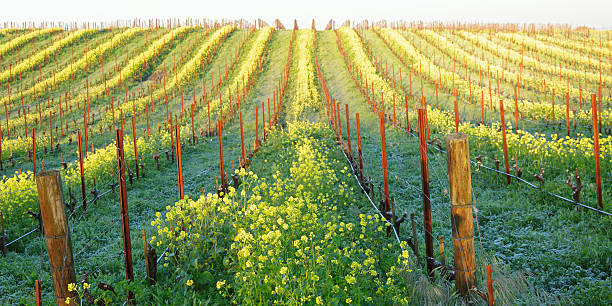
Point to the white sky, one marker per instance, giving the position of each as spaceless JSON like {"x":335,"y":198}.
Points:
{"x":596,"y":13}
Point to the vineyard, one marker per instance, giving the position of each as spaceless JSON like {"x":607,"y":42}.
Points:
{"x":197,"y":161}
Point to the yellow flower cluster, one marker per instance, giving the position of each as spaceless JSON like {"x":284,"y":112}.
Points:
{"x":540,"y":149}
{"x":582,"y":47}
{"x":452,"y":81}
{"x":476,"y":64}
{"x":21,"y":146}
{"x":18,"y":194}
{"x":358,"y":56}
{"x":248,"y":66}
{"x":566,"y":152}
{"x":552,"y":50}
{"x":90,"y":57}
{"x":40,"y":56}
{"x":289,"y":238}
{"x":306,"y":95}
{"x":182,"y":75}
{"x":97,"y":166}
{"x":61,"y":76}
{"x":528,"y":61}
{"x":135,"y":64}
{"x":22,"y":39}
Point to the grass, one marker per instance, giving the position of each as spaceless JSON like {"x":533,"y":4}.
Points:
{"x":96,"y":236}
{"x":517,"y":225}
{"x":542,"y":252}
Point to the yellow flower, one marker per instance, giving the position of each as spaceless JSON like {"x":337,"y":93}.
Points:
{"x":283,"y":270}
{"x":71,"y":287}
{"x":319,"y":300}
{"x":67,"y":299}
{"x":220,"y":284}
{"x":348,"y":300}
{"x":189,"y":283}
{"x":86,"y":286}
{"x":350,"y":280}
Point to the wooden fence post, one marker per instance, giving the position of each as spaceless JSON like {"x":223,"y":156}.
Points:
{"x":82,"y":173}
{"x":596,"y":146}
{"x":460,"y":183}
{"x":491,"y":298}
{"x":222,"y":169}
{"x":442,"y":254}
{"x":125,"y":226}
{"x":503,"y":128}
{"x":193,"y":136}
{"x":85,"y":127}
{"x":359,"y":153}
{"x":179,"y":162}
{"x":243,"y":152}
{"x":256,"y":127}
{"x":34,"y":150}
{"x":38,"y":295}
{"x":263,"y":120}
{"x":348,"y":132}
{"x":383,"y":145}
{"x":407,"y":114}
{"x":150,"y":261}
{"x":56,"y":231}
{"x":425,"y":186}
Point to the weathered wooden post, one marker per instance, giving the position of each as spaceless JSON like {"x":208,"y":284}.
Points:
{"x":263,"y":120}
{"x":125,"y":226}
{"x":179,"y":162}
{"x":38,"y":295}
{"x":596,"y":147}
{"x":34,"y":150}
{"x":150,"y":261}
{"x":490,"y":296}
{"x":359,"y":153}
{"x":193,"y":124}
{"x":81,"y":171}
{"x":505,"y":143}
{"x":256,"y":127}
{"x":243,"y":152}
{"x":460,"y":183}
{"x":425,"y":191}
{"x":57,"y":234}
{"x":383,"y":145}
{"x":415,"y":240}
{"x":441,"y":247}
{"x":348,"y":132}
{"x":222,"y":169}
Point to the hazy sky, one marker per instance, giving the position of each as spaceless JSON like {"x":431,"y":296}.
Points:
{"x":596,"y":13}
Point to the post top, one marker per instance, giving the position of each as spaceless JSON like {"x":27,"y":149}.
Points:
{"x":50,"y":172}
{"x":456,"y":136}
